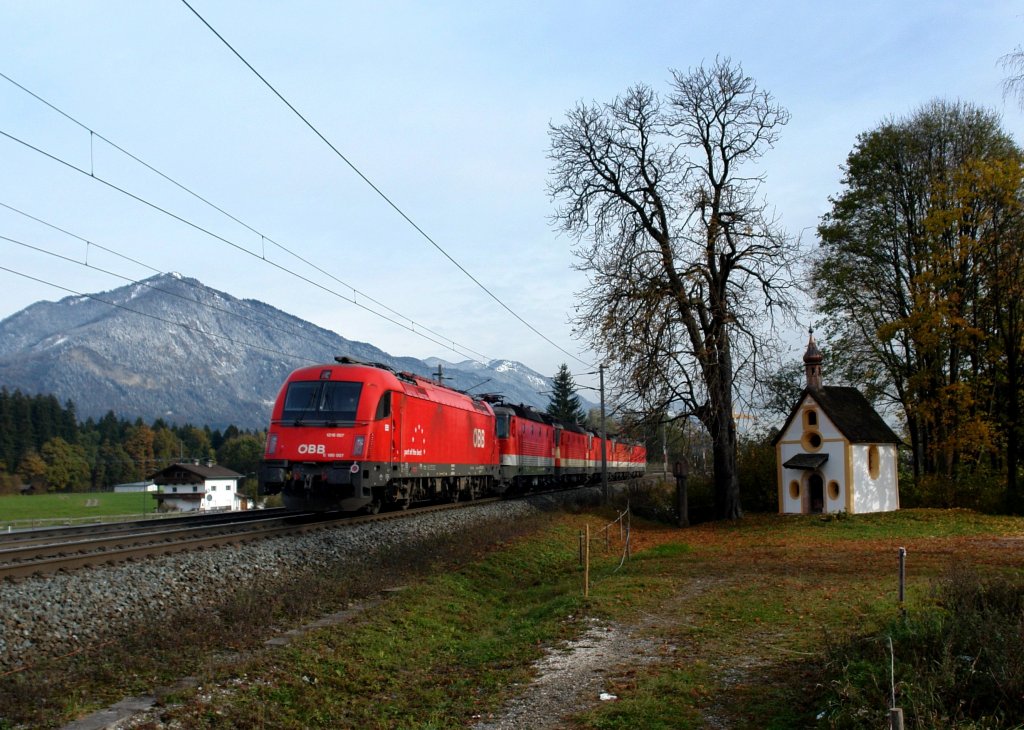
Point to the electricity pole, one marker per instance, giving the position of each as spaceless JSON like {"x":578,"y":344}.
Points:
{"x":604,"y":440}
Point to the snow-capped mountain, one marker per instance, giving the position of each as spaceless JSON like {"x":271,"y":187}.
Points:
{"x":123,"y":350}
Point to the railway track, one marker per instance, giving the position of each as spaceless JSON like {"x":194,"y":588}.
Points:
{"x":24,"y":554}
{"x":53,"y":534}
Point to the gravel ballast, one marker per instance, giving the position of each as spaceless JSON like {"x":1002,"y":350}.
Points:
{"x":60,"y":614}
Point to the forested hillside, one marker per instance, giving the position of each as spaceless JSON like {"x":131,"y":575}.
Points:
{"x":43,"y":445}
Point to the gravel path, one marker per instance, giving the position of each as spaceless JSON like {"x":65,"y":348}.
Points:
{"x":573,"y":677}
{"x":577,"y":675}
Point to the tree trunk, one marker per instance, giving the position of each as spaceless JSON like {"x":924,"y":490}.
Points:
{"x":723,"y":439}
{"x":1012,"y":431}
{"x":727,"y":485}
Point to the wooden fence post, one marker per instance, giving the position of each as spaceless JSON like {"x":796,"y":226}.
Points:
{"x":903,"y":575}
{"x":896,"y":718}
{"x":586,"y":562}
{"x":681,"y":470}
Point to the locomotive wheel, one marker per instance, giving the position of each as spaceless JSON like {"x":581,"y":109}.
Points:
{"x":373,"y":507}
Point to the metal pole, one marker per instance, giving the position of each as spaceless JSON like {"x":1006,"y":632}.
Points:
{"x":586,"y":562}
{"x":664,"y":447}
{"x":604,"y":440}
{"x":903,"y":574}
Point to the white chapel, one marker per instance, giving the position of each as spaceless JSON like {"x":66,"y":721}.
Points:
{"x":835,"y":453}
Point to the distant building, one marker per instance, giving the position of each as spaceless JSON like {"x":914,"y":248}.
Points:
{"x":198,"y":487}
{"x":835,"y":453}
{"x":146,"y":486}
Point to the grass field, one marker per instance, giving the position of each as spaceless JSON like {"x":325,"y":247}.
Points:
{"x":18,"y":510}
{"x":748,"y":615}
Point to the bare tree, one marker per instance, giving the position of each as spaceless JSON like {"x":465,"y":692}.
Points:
{"x":686,"y":265}
{"x":1013,"y":63}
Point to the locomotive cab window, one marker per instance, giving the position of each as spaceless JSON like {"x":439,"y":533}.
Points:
{"x":383,"y":406}
{"x":321,"y":401}
{"x":502,"y":425}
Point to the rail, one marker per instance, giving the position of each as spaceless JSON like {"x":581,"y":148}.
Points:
{"x":71,"y":552}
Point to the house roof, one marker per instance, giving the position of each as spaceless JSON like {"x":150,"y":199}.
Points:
{"x":851,"y":413}
{"x":192,"y":473}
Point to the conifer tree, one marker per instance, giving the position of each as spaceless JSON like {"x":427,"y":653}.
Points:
{"x":564,"y":404}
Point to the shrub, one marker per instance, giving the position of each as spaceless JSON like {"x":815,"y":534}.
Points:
{"x":959,"y":662}
{"x":656,"y":500}
{"x":757,"y":473}
{"x":981,"y":490}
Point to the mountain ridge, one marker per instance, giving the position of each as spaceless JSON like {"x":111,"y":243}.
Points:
{"x":171,"y":347}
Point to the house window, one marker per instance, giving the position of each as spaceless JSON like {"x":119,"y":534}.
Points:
{"x":794,"y":489}
{"x":213,"y":487}
{"x":174,"y":489}
{"x":810,"y":417}
{"x":833,"y":490}
{"x":195,"y":488}
{"x":873,"y":465}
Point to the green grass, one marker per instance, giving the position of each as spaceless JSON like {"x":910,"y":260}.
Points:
{"x":437,"y":653}
{"x":745,"y":615}
{"x":18,"y":509}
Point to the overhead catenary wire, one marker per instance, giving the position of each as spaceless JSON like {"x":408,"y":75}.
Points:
{"x":89,"y":243}
{"x":394,"y":206}
{"x":173,"y":322}
{"x":138,"y":282}
{"x":446,"y":344}
{"x":264,"y":239}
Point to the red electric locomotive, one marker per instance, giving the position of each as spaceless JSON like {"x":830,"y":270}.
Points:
{"x":573,"y":446}
{"x":353,"y":436}
{"x":526,"y":442}
{"x":625,"y":459}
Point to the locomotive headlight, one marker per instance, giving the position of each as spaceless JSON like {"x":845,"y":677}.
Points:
{"x":271,"y":443}
{"x":357,"y":447}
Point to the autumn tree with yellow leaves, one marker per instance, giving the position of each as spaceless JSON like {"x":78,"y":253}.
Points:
{"x":919,"y":283}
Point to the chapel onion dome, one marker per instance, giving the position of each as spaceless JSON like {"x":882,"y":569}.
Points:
{"x":813,"y":354}
{"x":812,"y":363}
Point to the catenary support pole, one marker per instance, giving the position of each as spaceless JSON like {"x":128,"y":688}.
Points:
{"x":604,"y":440}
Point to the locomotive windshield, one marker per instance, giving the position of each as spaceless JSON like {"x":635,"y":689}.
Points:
{"x":322,"y":401}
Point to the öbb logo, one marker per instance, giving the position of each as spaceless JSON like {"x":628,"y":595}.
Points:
{"x":312,"y":449}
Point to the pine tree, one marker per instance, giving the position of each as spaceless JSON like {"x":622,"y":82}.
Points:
{"x":564,"y":404}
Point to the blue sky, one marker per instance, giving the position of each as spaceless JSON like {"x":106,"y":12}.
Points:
{"x":445,"y":106}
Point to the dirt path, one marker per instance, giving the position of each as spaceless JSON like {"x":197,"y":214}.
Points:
{"x":576,"y":676}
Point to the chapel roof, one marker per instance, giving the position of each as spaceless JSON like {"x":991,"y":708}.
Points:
{"x":851,"y":413}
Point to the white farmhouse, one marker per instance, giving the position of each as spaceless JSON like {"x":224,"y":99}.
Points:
{"x":835,"y":453}
{"x":198,"y":487}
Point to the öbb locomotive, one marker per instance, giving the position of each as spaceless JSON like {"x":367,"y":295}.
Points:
{"x":355,"y":436}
